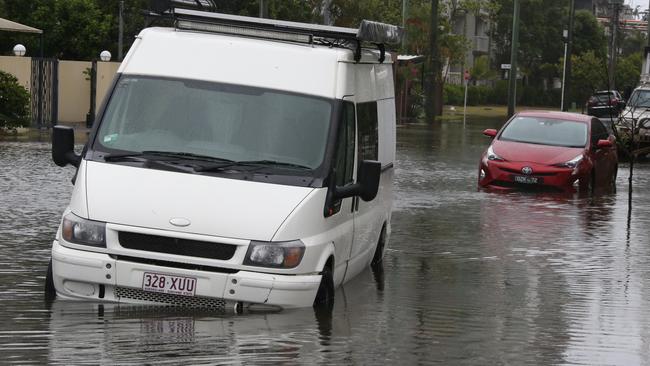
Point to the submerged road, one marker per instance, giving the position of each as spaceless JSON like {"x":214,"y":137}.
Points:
{"x":470,"y":278}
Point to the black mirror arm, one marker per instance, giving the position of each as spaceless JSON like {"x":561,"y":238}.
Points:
{"x":347,"y":191}
{"x":73,"y":158}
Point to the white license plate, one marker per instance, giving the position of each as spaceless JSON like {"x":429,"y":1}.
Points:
{"x":525,"y":179}
{"x":168,"y":284}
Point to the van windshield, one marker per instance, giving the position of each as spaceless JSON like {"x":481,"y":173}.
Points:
{"x":215,"y":120}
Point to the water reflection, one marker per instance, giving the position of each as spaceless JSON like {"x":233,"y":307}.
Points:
{"x":469,"y":278}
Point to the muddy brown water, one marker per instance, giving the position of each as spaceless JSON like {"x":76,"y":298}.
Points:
{"x":469,"y":278}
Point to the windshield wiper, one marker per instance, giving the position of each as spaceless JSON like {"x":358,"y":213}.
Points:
{"x":274,"y":162}
{"x":170,"y":154}
{"x":257,"y":164}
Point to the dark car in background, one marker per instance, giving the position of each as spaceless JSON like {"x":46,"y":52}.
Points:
{"x":605,"y":103}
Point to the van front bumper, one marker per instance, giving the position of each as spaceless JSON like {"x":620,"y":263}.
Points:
{"x":95,"y":276}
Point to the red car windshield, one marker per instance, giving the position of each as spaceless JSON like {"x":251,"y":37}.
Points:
{"x":544,"y":131}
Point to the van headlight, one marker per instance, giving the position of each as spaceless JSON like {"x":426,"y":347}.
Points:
{"x":286,"y":254}
{"x":81,"y":231}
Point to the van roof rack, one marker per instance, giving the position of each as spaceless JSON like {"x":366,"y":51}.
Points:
{"x":369,"y":32}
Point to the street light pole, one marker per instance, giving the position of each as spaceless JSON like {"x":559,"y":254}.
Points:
{"x":512,"y":97}
{"x":404,"y":15}
{"x":121,"y":35}
{"x":565,"y":34}
{"x":567,"y":83}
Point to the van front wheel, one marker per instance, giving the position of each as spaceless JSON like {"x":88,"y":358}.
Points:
{"x":325,"y":295}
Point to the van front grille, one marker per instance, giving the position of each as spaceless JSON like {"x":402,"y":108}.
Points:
{"x":127,"y":293}
{"x":170,"y":245}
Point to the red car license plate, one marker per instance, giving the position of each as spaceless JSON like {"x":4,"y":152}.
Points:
{"x":526,"y":180}
{"x":168,"y":284}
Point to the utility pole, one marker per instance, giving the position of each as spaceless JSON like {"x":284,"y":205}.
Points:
{"x":613,"y":49}
{"x":121,"y":32}
{"x":433,"y":74}
{"x":567,"y":86}
{"x":404,"y":16}
{"x":512,"y":87}
{"x":647,"y":19}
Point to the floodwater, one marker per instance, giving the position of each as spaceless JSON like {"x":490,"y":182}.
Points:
{"x":470,"y":278}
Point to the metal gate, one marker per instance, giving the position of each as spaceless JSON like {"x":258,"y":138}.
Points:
{"x":45,"y":92}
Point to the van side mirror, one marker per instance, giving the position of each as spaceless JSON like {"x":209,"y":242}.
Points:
{"x":368,"y":176}
{"x":63,"y":146}
{"x":367,"y":184}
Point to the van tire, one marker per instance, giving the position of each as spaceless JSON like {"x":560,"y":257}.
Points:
{"x":378,"y":258}
{"x":325,"y":295}
{"x":49,"y":290}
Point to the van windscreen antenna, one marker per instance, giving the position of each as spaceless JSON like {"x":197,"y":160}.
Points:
{"x":369,"y":33}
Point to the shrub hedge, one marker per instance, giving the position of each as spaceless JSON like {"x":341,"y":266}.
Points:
{"x":14,"y":102}
{"x":498,"y":95}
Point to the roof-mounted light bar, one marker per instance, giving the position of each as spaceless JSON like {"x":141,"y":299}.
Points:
{"x":243,"y":31}
{"x":375,"y":33}
{"x":268,"y":24}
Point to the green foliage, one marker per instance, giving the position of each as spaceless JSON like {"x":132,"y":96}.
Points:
{"x":540,"y":35}
{"x":14,"y":102}
{"x":588,"y":35}
{"x":349,"y":13}
{"x":453,"y":94}
{"x":481,"y":69}
{"x":628,"y":70}
{"x":540,"y":32}
{"x":589,"y":75}
{"x":498,"y":95}
{"x":635,"y":41}
{"x":72,"y":29}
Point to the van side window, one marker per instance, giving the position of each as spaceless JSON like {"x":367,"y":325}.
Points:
{"x":368,"y":131}
{"x":345,"y":148}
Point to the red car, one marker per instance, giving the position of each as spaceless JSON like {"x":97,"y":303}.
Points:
{"x":553,"y":150}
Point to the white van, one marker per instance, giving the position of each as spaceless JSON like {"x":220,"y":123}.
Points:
{"x":236,"y":161}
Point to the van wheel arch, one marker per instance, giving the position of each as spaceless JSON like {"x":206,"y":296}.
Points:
{"x":378,"y":257}
{"x":325,"y":295}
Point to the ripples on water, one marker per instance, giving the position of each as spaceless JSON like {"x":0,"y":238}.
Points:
{"x":470,"y":278}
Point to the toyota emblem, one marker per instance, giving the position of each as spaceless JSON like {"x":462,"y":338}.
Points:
{"x":527,"y":170}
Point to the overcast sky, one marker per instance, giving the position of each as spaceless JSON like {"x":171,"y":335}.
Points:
{"x":634,"y":3}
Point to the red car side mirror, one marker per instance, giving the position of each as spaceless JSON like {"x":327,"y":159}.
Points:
{"x":604,"y":143}
{"x":490,"y":132}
